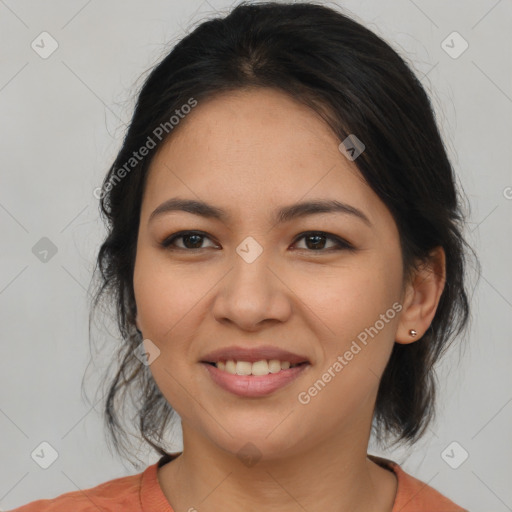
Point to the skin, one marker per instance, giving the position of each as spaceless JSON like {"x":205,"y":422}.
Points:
{"x":251,"y":152}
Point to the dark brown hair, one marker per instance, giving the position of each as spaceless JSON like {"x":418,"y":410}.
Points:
{"x":360,"y":86}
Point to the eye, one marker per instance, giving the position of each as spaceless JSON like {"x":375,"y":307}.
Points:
{"x":315,"y":241}
{"x":191,"y":239}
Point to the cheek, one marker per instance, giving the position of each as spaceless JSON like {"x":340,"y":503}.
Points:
{"x":165,"y":314}
{"x":172,"y":304}
{"x":346,"y":300}
{"x":164,"y":293}
{"x":160,"y":297}
{"x":356,"y":315}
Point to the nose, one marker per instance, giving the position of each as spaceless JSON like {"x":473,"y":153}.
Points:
{"x":252,"y":294}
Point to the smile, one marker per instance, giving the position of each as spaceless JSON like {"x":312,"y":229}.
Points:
{"x":263,"y":367}
{"x":256,"y":379}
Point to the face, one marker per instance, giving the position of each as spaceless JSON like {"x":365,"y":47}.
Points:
{"x":325,"y":286}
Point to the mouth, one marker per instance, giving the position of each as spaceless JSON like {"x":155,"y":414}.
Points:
{"x":253,"y":371}
{"x":267,"y":358}
{"x":256,"y":368}
{"x":256,"y":379}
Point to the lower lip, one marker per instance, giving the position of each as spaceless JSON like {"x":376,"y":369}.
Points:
{"x":254,"y":385}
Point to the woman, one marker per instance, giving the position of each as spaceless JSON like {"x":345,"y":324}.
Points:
{"x":284,"y":250}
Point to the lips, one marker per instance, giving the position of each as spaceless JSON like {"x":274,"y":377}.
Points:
{"x":250,"y":386}
{"x":253,"y":354}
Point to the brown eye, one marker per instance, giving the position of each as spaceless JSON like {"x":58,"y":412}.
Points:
{"x":192,"y":240}
{"x":316,"y":241}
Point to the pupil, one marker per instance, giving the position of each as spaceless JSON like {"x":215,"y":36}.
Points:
{"x":198,"y":240}
{"x":316,"y":237}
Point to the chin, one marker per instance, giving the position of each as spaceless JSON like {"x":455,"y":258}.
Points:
{"x":251,"y":444}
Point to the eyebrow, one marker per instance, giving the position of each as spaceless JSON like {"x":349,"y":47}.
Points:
{"x":284,"y":214}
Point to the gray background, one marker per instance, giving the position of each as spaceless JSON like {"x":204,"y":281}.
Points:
{"x":62,"y":121}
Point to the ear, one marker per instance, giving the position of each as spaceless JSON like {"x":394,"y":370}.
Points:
{"x":422,"y":295}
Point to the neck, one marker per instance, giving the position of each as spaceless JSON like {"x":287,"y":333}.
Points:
{"x":324,"y":477}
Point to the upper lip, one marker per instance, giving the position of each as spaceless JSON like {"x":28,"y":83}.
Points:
{"x":253,"y":354}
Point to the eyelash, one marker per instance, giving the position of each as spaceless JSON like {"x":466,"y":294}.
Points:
{"x":340,"y":243}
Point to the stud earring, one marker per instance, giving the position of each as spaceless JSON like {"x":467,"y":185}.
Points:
{"x":413,"y":333}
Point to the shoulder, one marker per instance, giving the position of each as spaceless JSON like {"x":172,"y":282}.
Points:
{"x":112,"y":496}
{"x":413,"y":495}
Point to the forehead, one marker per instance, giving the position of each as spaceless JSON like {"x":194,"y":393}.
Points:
{"x":252,"y":149}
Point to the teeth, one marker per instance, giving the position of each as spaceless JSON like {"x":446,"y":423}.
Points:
{"x":243,"y":368}
{"x":262,"y":367}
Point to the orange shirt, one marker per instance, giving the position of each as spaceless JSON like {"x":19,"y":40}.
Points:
{"x":142,"y":493}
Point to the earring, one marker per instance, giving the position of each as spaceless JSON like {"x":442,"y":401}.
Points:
{"x":413,"y":333}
